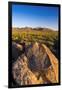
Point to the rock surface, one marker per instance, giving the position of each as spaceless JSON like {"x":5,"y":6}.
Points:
{"x":33,"y":67}
{"x":22,"y":74}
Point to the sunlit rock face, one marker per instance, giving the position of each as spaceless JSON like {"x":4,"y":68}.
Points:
{"x":22,"y":74}
{"x":33,"y":67}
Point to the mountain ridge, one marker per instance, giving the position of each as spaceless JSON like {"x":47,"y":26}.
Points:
{"x":36,"y":28}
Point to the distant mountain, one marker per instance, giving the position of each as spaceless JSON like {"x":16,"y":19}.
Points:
{"x":37,"y":29}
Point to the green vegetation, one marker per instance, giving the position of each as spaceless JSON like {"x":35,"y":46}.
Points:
{"x":29,"y":35}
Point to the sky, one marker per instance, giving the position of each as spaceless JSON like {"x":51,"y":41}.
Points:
{"x":35,"y":16}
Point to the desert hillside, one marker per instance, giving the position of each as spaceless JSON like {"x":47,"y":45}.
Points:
{"x":41,"y":35}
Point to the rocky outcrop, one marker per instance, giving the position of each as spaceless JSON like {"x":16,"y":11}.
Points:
{"x":22,"y":74}
{"x":53,"y":60}
{"x":33,"y":67}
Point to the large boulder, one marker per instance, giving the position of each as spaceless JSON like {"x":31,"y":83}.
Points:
{"x":22,"y":74}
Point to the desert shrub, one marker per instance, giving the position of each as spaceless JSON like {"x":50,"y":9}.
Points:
{"x":50,"y":38}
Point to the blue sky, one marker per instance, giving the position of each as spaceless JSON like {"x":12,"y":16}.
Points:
{"x":34,"y":16}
